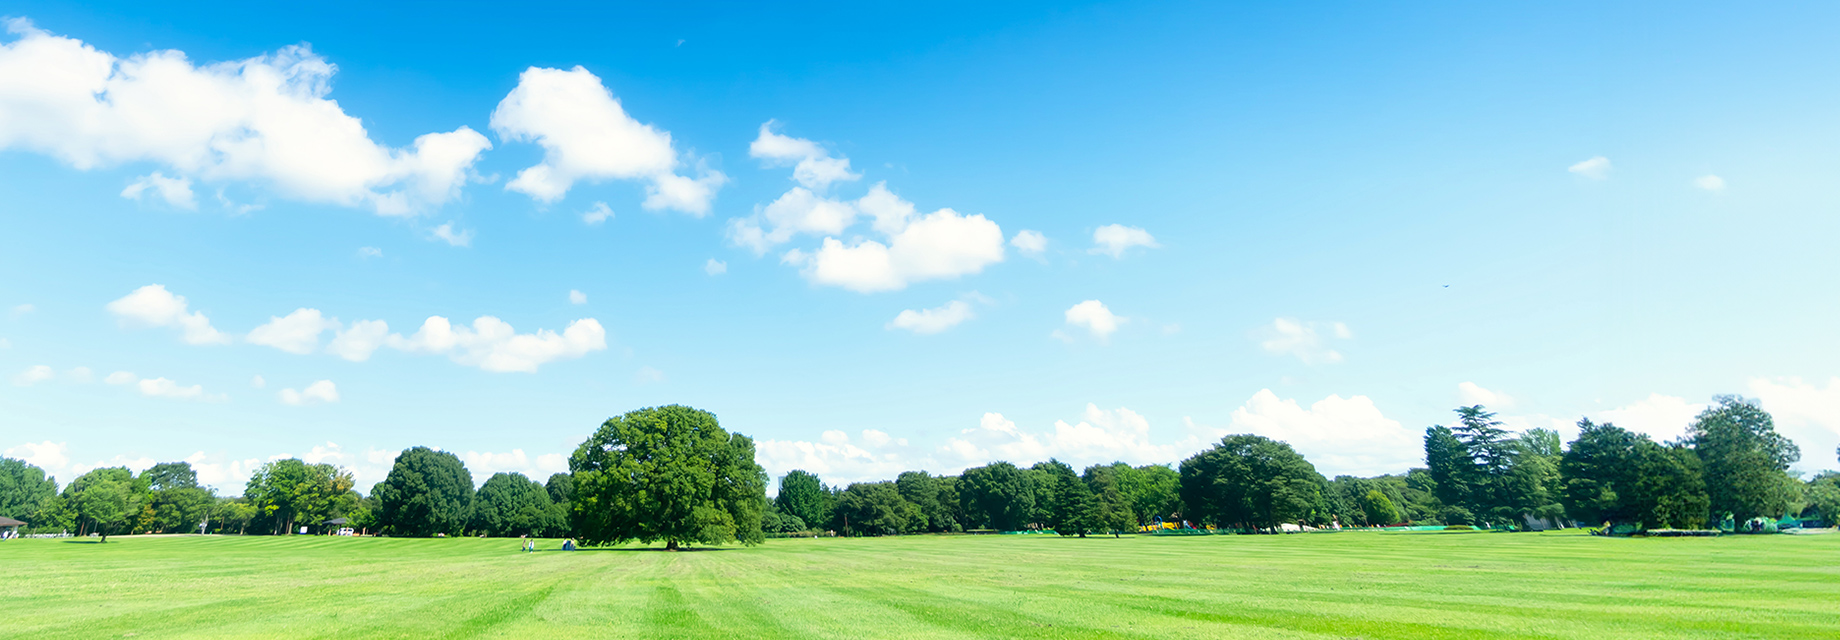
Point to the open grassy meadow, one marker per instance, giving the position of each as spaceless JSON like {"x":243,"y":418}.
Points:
{"x":1349,"y":585}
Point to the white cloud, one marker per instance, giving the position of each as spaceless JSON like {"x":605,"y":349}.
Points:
{"x":577,"y":297}
{"x":935,"y":320}
{"x":1596,"y":168}
{"x":539,"y":468}
{"x":1807,"y":413}
{"x":227,"y":476}
{"x":20,"y":310}
{"x":125,"y":377}
{"x":447,"y":233}
{"x":491,"y":344}
{"x":1338,"y":435}
{"x":357,"y":342}
{"x":34,"y":375}
{"x":1661,"y":417}
{"x":79,"y":374}
{"x":318,"y":392}
{"x":837,"y":460}
{"x":715,"y":267}
{"x":264,"y":119}
{"x":257,"y":382}
{"x":1114,"y":239}
{"x":164,"y":388}
{"x":367,"y":469}
{"x":597,"y":214}
{"x":297,"y":333}
{"x":587,"y":135}
{"x":1307,"y":341}
{"x":1469,"y":393}
{"x":154,"y":306}
{"x":47,"y":455}
{"x":1710,"y":183}
{"x":177,"y":192}
{"x":940,"y":245}
{"x":1029,"y":243}
{"x":1095,"y":318}
{"x":1101,"y":436}
{"x":370,"y":252}
{"x":647,"y":375}
{"x":813,"y":166}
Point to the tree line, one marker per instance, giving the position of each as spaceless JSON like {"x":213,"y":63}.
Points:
{"x":673,"y":474}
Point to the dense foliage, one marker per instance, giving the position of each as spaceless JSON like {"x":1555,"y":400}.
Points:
{"x":511,"y":504}
{"x":667,"y":473}
{"x":427,"y":492}
{"x":1253,"y":482}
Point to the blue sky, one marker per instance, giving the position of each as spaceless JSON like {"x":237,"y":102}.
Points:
{"x":879,"y":238}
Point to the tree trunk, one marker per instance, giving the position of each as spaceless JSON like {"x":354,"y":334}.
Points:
{"x":671,"y":546}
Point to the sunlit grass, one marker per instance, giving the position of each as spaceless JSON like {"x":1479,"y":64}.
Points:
{"x":1348,"y":585}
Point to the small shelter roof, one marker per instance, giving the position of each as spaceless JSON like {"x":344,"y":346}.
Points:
{"x":9,"y":522}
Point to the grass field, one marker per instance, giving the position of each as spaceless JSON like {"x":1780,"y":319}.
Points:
{"x":1348,"y":585}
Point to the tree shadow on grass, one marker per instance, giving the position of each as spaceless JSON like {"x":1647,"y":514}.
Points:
{"x":82,"y":542}
{"x":657,"y":549}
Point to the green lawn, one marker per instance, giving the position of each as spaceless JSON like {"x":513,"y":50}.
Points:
{"x":1348,"y":585}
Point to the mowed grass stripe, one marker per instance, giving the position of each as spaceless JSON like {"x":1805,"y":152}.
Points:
{"x":1348,"y":585}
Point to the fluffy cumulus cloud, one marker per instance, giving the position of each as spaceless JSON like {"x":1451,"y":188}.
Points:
{"x":1308,"y":341}
{"x":33,"y":375}
{"x":1100,"y":436}
{"x":1596,"y":168}
{"x":264,"y":120}
{"x":1339,"y":435}
{"x":905,"y":246}
{"x":1095,"y":318}
{"x":491,"y":344}
{"x":1114,"y":239}
{"x":1470,"y":393}
{"x":587,"y":135}
{"x":454,"y":237}
{"x":597,"y":214}
{"x":577,"y":297}
{"x":1808,"y":413}
{"x":835,"y":457}
{"x":164,"y":388}
{"x":297,"y":333}
{"x":538,"y":467}
{"x":154,"y":306}
{"x":175,"y":192}
{"x":1029,"y":243}
{"x":1660,"y":416}
{"x":715,"y":267}
{"x":323,"y":391}
{"x":934,"y":320}
{"x":47,"y":455}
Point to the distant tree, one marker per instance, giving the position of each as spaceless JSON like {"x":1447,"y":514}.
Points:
{"x":1113,"y":510}
{"x":950,"y":509}
{"x":877,"y":508}
{"x":1378,"y":509}
{"x":170,"y":475}
{"x":667,"y":473}
{"x":235,"y":514}
{"x":290,"y":492}
{"x":561,"y":488}
{"x":1599,"y":472}
{"x":103,"y":500}
{"x":427,"y":492}
{"x":1670,"y":487}
{"x":24,"y":490}
{"x":1823,"y":497}
{"x":1420,"y":500}
{"x":1252,"y":481}
{"x":1069,"y":504}
{"x":922,"y":490}
{"x":1153,"y":491}
{"x":997,"y":496}
{"x":1745,"y":460}
{"x":1452,"y":472}
{"x":1531,"y":485}
{"x":803,"y":495}
{"x":510,"y":504}
{"x":179,"y":509}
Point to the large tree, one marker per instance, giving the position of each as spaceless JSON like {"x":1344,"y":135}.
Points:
{"x":876,"y":509}
{"x":1112,"y":511}
{"x":997,"y":496}
{"x":290,"y":492}
{"x":1067,"y":502}
{"x":1745,"y":460}
{"x":24,"y":490}
{"x":104,"y":500}
{"x":802,"y":494}
{"x":427,"y":492}
{"x":510,"y":504}
{"x":1452,"y":472}
{"x":922,"y":490}
{"x":667,"y":473}
{"x":1252,"y":481}
{"x":1610,"y":474}
{"x":170,"y":475}
{"x":1378,"y":509}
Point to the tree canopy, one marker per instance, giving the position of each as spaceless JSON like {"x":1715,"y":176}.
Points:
{"x":997,"y":496}
{"x":427,"y":492}
{"x":290,"y":492}
{"x":1253,"y":482}
{"x":801,"y":494}
{"x":1745,"y":460}
{"x":511,"y":504}
{"x":24,"y":490}
{"x":667,"y":473}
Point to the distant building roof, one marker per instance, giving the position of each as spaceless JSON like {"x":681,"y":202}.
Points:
{"x":9,"y":522}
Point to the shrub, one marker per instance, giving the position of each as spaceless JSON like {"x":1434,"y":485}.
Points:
{"x":1459,"y":527}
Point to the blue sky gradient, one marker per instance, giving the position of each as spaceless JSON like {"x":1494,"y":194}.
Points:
{"x":1362,"y":216}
